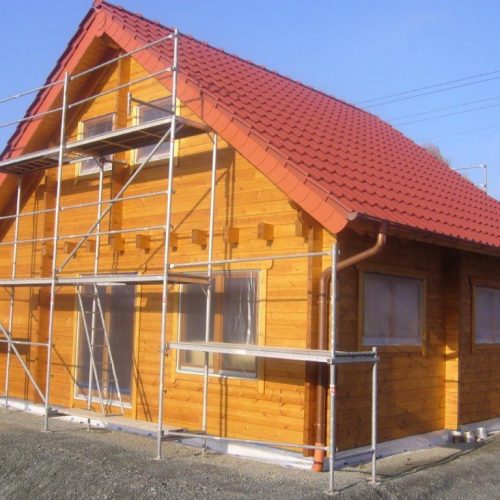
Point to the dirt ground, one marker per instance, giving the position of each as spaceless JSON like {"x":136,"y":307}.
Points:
{"x":71,"y":462}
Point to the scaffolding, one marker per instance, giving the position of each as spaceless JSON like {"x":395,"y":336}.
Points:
{"x":152,"y":133}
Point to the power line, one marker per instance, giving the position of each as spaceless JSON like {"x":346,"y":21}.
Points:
{"x":432,"y":92}
{"x":448,"y":114}
{"x":435,"y":110}
{"x":449,"y":82}
{"x":459,"y":132}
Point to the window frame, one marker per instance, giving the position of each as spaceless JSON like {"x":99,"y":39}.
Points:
{"x":407,"y":274}
{"x":155,"y":160}
{"x":107,"y":170}
{"x":480,"y":283}
{"x":219,"y":373}
{"x":128,"y":399}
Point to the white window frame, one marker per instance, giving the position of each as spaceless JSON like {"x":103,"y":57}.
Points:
{"x":258,"y":334}
{"x":108,"y":165}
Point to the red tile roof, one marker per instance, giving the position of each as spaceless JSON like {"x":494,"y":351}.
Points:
{"x":335,"y":160}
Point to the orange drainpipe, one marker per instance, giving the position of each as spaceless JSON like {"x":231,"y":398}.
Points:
{"x":322,"y":377}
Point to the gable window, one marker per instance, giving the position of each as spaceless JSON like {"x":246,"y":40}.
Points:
{"x":487,"y":315}
{"x":118,"y":305}
{"x":160,"y":108}
{"x":90,"y":128}
{"x":234,"y":320}
{"x":392,"y":310}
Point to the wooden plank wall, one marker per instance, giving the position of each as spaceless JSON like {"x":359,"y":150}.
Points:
{"x":411,"y":383}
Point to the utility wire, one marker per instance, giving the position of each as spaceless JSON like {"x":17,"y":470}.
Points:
{"x":447,"y":114}
{"x":435,"y":110}
{"x":459,"y":132}
{"x":432,"y":92}
{"x":441,"y":84}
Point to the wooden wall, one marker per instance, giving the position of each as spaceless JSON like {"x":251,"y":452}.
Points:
{"x":411,"y":382}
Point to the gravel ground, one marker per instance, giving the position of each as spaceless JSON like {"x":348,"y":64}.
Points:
{"x":71,"y":462}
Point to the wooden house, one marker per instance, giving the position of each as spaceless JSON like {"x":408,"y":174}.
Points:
{"x":297,"y":171}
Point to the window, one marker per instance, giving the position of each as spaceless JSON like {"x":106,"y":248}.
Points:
{"x":91,"y":128}
{"x":161,"y":108}
{"x":487,"y":315}
{"x":392,"y":310}
{"x":234,"y":320}
{"x":118,"y":305}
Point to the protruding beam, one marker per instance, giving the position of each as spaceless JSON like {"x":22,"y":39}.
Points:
{"x":265,"y":232}
{"x":232,"y":235}
{"x":90,"y":245}
{"x":199,"y":237}
{"x":174,"y":241}
{"x":117,"y":243}
{"x":69,"y":246}
{"x":46,"y":249}
{"x":303,"y":223}
{"x":143,"y":241}
{"x":301,"y":228}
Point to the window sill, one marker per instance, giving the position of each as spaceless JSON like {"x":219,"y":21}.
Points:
{"x":396,"y":349}
{"x":223,"y":375}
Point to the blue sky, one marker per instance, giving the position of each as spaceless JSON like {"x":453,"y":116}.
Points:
{"x":356,"y":50}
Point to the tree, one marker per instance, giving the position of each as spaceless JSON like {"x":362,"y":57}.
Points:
{"x":436,"y":152}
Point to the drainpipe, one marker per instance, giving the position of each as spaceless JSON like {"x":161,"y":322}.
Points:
{"x":322,"y":378}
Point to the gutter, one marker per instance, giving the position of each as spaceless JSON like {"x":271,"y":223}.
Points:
{"x":322,"y":378}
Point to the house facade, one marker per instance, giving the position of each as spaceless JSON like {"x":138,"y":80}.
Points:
{"x":297,"y":170}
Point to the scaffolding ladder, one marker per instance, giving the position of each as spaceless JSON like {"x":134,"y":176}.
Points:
{"x":97,"y":331}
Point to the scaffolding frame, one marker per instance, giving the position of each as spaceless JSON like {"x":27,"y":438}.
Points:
{"x":157,"y":132}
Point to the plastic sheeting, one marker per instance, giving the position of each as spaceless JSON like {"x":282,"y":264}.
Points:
{"x":487,"y":315}
{"x":234,"y":320}
{"x":392,"y":310}
{"x":96,"y":126}
{"x":147,"y":114}
{"x":118,"y":303}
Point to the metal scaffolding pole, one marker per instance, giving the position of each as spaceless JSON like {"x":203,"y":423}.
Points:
{"x":62,"y":142}
{"x":108,"y":347}
{"x":221,"y":262}
{"x":13,"y":290}
{"x":208,"y":312}
{"x":85,"y":235}
{"x":333,"y":369}
{"x":166,"y":250}
{"x":374,"y":415}
{"x":13,"y":343}
{"x":92,"y":364}
{"x":96,"y":271}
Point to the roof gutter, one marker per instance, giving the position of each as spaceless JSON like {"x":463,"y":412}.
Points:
{"x":322,"y":378}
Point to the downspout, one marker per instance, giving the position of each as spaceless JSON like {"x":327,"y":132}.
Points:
{"x":322,"y":378}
